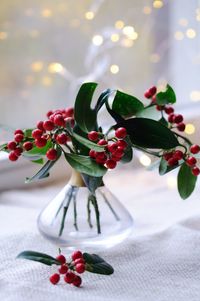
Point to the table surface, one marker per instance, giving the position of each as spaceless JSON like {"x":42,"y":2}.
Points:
{"x":160,"y":261}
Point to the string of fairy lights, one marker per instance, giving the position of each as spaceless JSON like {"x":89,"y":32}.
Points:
{"x":120,"y":34}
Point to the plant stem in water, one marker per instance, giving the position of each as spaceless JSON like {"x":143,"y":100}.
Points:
{"x":96,"y":209}
{"x":65,"y":209}
{"x":75,"y":210}
{"x":89,"y":212}
{"x":109,"y":205}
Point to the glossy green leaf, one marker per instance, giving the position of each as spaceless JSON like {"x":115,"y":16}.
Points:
{"x":103,"y":98}
{"x":28,"y":133}
{"x":149,"y":133}
{"x":163,"y":121}
{"x":3,"y":146}
{"x":38,"y":161}
{"x":96,"y":264}
{"x":149,"y":112}
{"x":85,"y":117}
{"x":89,"y":144}
{"x":166,"y":97}
{"x":126,"y":105}
{"x":85,"y":164}
{"x":186,"y":181}
{"x":92,"y":182}
{"x":39,"y":257}
{"x":128,"y":153}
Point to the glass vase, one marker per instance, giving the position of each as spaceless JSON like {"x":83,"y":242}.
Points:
{"x":75,"y":218}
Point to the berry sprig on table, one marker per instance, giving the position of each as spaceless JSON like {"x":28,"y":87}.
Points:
{"x":78,"y":264}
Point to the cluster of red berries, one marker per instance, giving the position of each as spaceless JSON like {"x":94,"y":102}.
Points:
{"x":174,"y":157}
{"x":174,"y":119}
{"x":113,"y":149}
{"x":68,"y":269}
{"x":54,"y":129}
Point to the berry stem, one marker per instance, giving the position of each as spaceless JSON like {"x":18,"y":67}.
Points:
{"x":89,"y":213}
{"x":110,"y":207}
{"x":184,"y":138}
{"x":156,"y":154}
{"x":96,"y":209}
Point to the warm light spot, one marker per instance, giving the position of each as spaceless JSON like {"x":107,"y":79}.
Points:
{"x":55,"y":68}
{"x":190,"y":33}
{"x":198,"y":17}
{"x":195,"y":95}
{"x":119,"y":24}
{"x":34,"y":33}
{"x":3,"y":35}
{"x":97,"y":40}
{"x":37,"y":66}
{"x":89,"y":15}
{"x":157,"y":4}
{"x":171,"y":182}
{"x":46,"y":81}
{"x":145,"y":160}
{"x":114,"y":69}
{"x":127,"y":43}
{"x":128,"y":30}
{"x":154,"y":58}
{"x":190,"y":129}
{"x":114,"y":37}
{"x":183,"y":22}
{"x":133,"y":36}
{"x":179,"y":35}
{"x":147,"y":10}
{"x":46,"y":13}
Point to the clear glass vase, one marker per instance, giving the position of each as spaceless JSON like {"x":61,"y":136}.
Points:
{"x":76,"y":219}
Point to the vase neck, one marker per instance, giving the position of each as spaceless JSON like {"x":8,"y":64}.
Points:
{"x":76,"y":179}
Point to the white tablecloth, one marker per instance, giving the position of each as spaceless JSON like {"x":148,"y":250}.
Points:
{"x":159,"y":262}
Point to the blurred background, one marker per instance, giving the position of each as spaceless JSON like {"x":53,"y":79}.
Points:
{"x":49,"y":47}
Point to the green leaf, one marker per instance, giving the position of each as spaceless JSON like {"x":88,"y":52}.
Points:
{"x":163,"y":121}
{"x":89,"y":144}
{"x":92,"y":182}
{"x":128,"y":153}
{"x":28,"y":133}
{"x":96,"y":264}
{"x":39,"y":257}
{"x":168,"y":96}
{"x":103,"y":98}
{"x":2,"y":147}
{"x":165,"y":168}
{"x":149,"y":112}
{"x":85,"y":117}
{"x":38,"y":161}
{"x":85,"y":164}
{"x":126,"y":105}
{"x":149,"y":133}
{"x":44,"y":171}
{"x":186,"y":181}
{"x":113,"y":114}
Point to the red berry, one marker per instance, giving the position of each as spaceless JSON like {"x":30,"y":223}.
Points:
{"x":102,"y":142}
{"x":111,"y":164}
{"x":69,"y":112}
{"x":167,"y":156}
{"x":69,"y":277}
{"x":77,"y":281}
{"x":19,"y":137}
{"x":80,"y":268}
{"x":100,"y":155}
{"x":40,"y":125}
{"x":153,"y":90}
{"x":101,"y":160}
{"x":52,"y":154}
{"x":79,"y":260}
{"x":61,"y":258}
{"x":195,"y":149}
{"x":171,"y":118}
{"x":195,"y":171}
{"x":93,"y":136}
{"x":12,"y":156}
{"x":18,"y":132}
{"x":191,"y":161}
{"x":62,"y":138}
{"x":181,"y":127}
{"x":169,"y":110}
{"x":18,"y":151}
{"x":37,"y":134}
{"x":116,"y":159}
{"x":59,"y":120}
{"x":178,"y":118}
{"x":121,"y":133}
{"x":48,"y":125}
{"x":122,"y":144}
{"x":55,"y":278}
{"x":76,"y":255}
{"x":92,"y":154}
{"x":178,"y":155}
{"x":28,"y":145}
{"x":159,"y":108}
{"x":153,"y":99}
{"x":63,"y":269}
{"x":70,"y":121}
{"x":40,"y":142}
{"x":11,"y":145}
{"x":118,"y":153}
{"x":49,"y":113}
{"x":172,"y":162}
{"x":112,"y":147}
{"x":147,"y":94}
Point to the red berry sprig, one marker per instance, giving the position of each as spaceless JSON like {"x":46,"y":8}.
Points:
{"x":114,"y":148}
